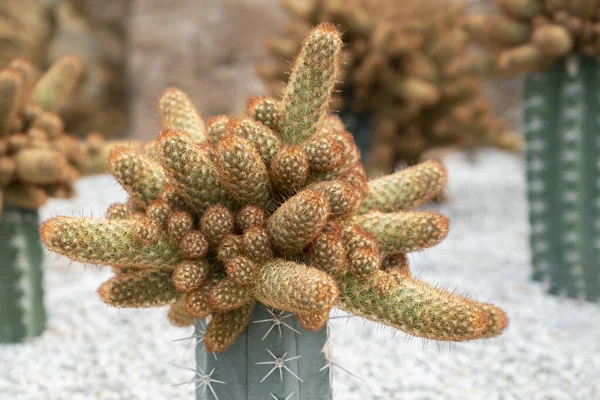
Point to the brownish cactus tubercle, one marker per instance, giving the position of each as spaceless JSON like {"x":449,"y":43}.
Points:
{"x":271,"y":207}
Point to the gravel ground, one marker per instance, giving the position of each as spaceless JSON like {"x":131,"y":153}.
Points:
{"x":551,"y":349}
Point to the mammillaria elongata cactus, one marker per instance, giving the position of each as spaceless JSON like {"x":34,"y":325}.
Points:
{"x":557,"y":44}
{"x":37,"y":161}
{"x":395,"y":72}
{"x":271,"y":209}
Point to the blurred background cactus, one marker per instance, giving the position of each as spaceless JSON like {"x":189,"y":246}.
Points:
{"x":395,"y":73}
{"x":43,"y":31}
{"x":269,"y":219}
{"x":37,"y":161}
{"x":556,"y":44}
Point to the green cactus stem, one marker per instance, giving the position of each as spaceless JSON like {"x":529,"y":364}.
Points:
{"x":275,"y":358}
{"x":22,"y":312}
{"x":563,"y":173}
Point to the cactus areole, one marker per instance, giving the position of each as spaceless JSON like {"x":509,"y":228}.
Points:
{"x":271,"y":208}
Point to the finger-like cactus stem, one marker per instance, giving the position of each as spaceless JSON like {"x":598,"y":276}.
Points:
{"x":406,"y":189}
{"x":290,"y":286}
{"x":139,"y":289}
{"x":226,"y":327}
{"x":56,"y":85}
{"x":296,"y":223}
{"x":177,"y":112}
{"x":306,"y":98}
{"x":402,"y":232}
{"x":191,"y":168}
{"x":106,"y":242}
{"x":41,"y":166}
{"x":243,"y":171}
{"x":140,"y":177}
{"x":417,"y":308}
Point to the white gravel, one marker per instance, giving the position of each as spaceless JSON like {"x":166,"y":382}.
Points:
{"x":551,"y":349}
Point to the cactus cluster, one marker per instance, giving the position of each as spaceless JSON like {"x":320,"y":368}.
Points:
{"x":395,"y":68}
{"x":38,"y":159}
{"x":272,"y":207}
{"x":531,"y":35}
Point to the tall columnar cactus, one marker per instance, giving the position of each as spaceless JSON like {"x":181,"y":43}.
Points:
{"x":557,"y":44}
{"x":563,"y":170}
{"x":37,"y":161}
{"x":267,"y":221}
{"x":22,"y":312}
{"x":396,"y":77}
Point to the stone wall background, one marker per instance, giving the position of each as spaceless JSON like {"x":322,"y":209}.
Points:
{"x":207,"y":48}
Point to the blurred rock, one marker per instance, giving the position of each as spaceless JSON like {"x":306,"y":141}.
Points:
{"x":207,"y":48}
{"x":95,"y":31}
{"x":24,"y":30}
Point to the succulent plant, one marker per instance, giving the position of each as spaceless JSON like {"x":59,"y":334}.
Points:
{"x":37,"y":161}
{"x":271,"y":208}
{"x":555,"y":45}
{"x":395,"y":73}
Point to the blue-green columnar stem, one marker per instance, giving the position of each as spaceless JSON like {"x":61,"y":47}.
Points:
{"x":274,"y":359}
{"x":562,"y":117}
{"x":361,"y":126}
{"x":22,"y":312}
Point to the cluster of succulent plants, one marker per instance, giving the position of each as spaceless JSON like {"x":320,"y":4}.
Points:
{"x":270,"y":208}
{"x":396,"y":70}
{"x":38,"y":159}
{"x":531,"y":35}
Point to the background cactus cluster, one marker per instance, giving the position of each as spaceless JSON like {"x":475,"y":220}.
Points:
{"x":43,"y":31}
{"x":38,"y":159}
{"x":531,"y":35}
{"x":395,"y":68}
{"x":271,"y":207}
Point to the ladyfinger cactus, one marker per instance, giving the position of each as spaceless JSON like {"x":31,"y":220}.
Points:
{"x":555,"y":44}
{"x":395,"y":79}
{"x":265,"y":225}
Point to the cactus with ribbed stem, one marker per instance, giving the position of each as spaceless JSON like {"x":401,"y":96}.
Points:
{"x":271,"y":209}
{"x":22,"y":312}
{"x":555,"y":43}
{"x":563,"y":171}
